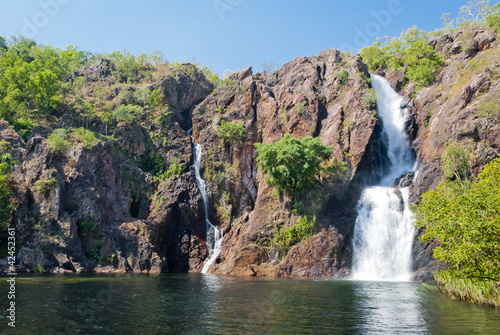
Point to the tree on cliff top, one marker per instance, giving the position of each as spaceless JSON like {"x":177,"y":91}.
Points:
{"x":292,"y":164}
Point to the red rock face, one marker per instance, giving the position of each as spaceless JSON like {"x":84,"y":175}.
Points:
{"x":160,"y":227}
{"x":304,"y":98}
{"x":449,"y":111}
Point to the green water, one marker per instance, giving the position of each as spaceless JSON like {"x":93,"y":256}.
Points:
{"x":210,"y":304}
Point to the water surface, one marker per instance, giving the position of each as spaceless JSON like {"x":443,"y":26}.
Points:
{"x":211,"y":304}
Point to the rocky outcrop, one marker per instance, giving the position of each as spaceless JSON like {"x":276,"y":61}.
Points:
{"x":449,"y":111}
{"x":130,"y":203}
{"x":306,"y":97}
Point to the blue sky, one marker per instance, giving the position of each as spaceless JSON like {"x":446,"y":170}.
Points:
{"x":223,"y":34}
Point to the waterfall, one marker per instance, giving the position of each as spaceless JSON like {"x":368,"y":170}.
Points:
{"x":214,"y":234}
{"x":384,"y":230}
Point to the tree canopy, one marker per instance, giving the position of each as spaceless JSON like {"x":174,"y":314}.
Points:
{"x":292,"y":164}
{"x":466,"y":222}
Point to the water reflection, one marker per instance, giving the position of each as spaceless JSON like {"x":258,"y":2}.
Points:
{"x":211,"y":304}
{"x":389,"y":308}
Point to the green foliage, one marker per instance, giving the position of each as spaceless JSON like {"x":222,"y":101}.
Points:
{"x":174,"y":170}
{"x":24,"y":127}
{"x":31,"y":77}
{"x":44,"y":185}
{"x":38,"y":269}
{"x":455,"y":162}
{"x":6,"y":207}
{"x":141,"y":96}
{"x":493,"y":19}
{"x":213,"y":77}
{"x":231,"y":132}
{"x":85,"y":136}
{"x":301,"y":107}
{"x":94,"y":254}
{"x":4,"y":147}
{"x":292,"y":164}
{"x":422,"y":61}
{"x":130,"y":113}
{"x":342,"y":76}
{"x":6,"y":163}
{"x":466,"y":222}
{"x":490,"y":110}
{"x":111,"y":259}
{"x":58,"y":145}
{"x":284,"y":239}
{"x":127,"y":66}
{"x":370,"y":100}
{"x":88,"y":226}
{"x":409,"y":49}
{"x":155,"y":99}
{"x":454,"y":283}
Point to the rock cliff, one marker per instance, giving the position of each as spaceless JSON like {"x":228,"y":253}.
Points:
{"x":100,"y":208}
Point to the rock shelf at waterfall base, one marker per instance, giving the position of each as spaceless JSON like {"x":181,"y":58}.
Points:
{"x":383,"y":234}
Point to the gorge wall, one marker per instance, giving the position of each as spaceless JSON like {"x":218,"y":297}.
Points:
{"x":144,"y":225}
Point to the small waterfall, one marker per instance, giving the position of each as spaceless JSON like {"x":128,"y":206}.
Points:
{"x":383,"y":232}
{"x":214,"y":234}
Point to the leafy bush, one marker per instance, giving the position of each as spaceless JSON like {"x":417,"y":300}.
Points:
{"x":342,"y":76}
{"x":422,"y":61}
{"x":370,"y":100}
{"x":155,"y":99}
{"x":127,"y":67}
{"x":466,"y":222}
{"x":38,"y":269}
{"x":409,"y":49}
{"x":130,"y":113}
{"x":455,"y":161}
{"x":88,"y":226}
{"x":231,"y":132}
{"x":292,"y":164}
{"x":6,"y":163}
{"x":141,"y":96}
{"x":85,"y":136}
{"x":493,"y":20}
{"x":490,"y":110}
{"x":174,"y":170}
{"x":94,"y":253}
{"x":44,"y":185}
{"x":4,"y":147}
{"x":6,"y":206}
{"x":284,"y":239}
{"x":485,"y":292}
{"x":301,"y":107}
{"x":58,"y":145}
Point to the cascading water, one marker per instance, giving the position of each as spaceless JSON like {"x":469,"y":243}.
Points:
{"x":384,"y":230}
{"x":214,"y":234}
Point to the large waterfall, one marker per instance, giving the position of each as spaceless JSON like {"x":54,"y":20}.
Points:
{"x":384,"y":230}
{"x":214,"y":234}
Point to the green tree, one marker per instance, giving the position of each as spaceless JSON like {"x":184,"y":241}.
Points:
{"x":231,"y":132}
{"x":422,"y":61}
{"x":155,"y":99}
{"x":58,"y":145}
{"x":493,"y":19}
{"x":6,"y":207}
{"x":455,"y":162}
{"x":473,"y":11}
{"x":466,"y":222}
{"x":292,"y":164}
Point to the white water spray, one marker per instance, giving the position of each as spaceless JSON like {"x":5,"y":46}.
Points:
{"x":214,"y":234}
{"x":384,"y":229}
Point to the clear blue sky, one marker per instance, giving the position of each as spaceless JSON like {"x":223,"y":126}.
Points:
{"x":223,"y":34}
